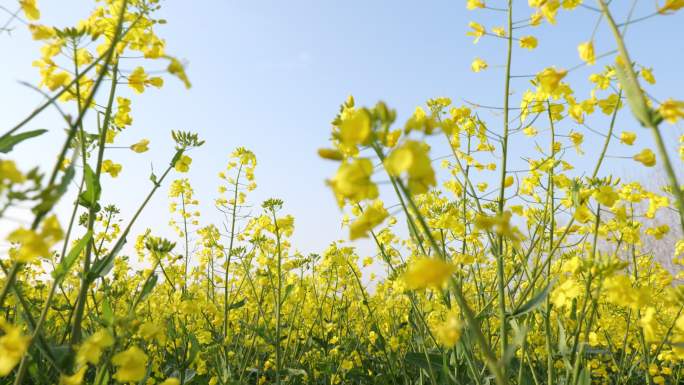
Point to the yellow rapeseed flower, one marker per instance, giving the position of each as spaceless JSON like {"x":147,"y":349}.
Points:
{"x":549,"y":9}
{"x":606,"y":196}
{"x":122,"y":118}
{"x":41,"y":32}
{"x":111,"y":168}
{"x":9,"y":173}
{"x":183,"y":164}
{"x":583,"y":214}
{"x":30,"y":9}
{"x":136,"y":80}
{"x":672,"y":110}
{"x":472,"y":4}
{"x":131,"y":365}
{"x":329,"y":153}
{"x":499,"y":31}
{"x":549,"y":79}
{"x":478,"y":65}
{"x":649,"y":324}
{"x":74,"y":379}
{"x":448,"y":332}
{"x":31,"y":245}
{"x":586,"y":52}
{"x":564,"y":294}
{"x":352,"y":181}
{"x":373,"y":215}
{"x":658,"y":232}
{"x":427,"y":272}
{"x":647,"y":74}
{"x":53,"y":81}
{"x":530,"y":131}
{"x":478,"y":30}
{"x":177,"y":69}
{"x":91,"y":349}
{"x":536,"y":19}
{"x":412,"y":158}
{"x":13,"y":345}
{"x":577,"y":138}
{"x":141,"y":146}
{"x":646,"y":157}
{"x":671,"y":6}
{"x":529,"y":42}
{"x":355,"y":129}
{"x":627,"y":137}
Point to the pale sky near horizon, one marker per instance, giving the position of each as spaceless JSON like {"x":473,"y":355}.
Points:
{"x":270,"y":75}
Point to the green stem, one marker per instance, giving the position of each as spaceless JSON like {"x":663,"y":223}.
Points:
{"x":278,"y":298}
{"x":502,"y":189}
{"x":660,"y":144}
{"x":92,"y":213}
{"x":230,"y":251}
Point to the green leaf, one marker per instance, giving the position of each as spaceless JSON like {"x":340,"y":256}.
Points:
{"x":63,"y":354}
{"x":563,"y":348}
{"x":380,"y":341}
{"x":176,"y":156}
{"x":534,"y":303}
{"x":412,"y":231}
{"x":288,"y":290}
{"x":420,"y":360}
{"x":68,"y":262}
{"x":519,"y":333}
{"x":635,"y":98}
{"x":8,"y":142}
{"x":194,"y":347}
{"x":584,"y":377}
{"x":149,"y":285}
{"x":69,"y":174}
{"x":107,"y":312}
{"x":237,"y":305}
{"x":103,"y":266}
{"x":323,"y":344}
{"x":91,"y":195}
{"x":51,"y":195}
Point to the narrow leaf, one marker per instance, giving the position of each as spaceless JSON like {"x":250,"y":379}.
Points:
{"x":533,"y":303}
{"x":107,"y":312}
{"x":91,"y":195}
{"x":7,"y":143}
{"x":149,"y":285}
{"x":68,"y":262}
{"x":236,"y":305}
{"x":635,"y":98}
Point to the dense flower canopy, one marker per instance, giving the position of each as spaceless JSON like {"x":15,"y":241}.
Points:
{"x":556,"y":273}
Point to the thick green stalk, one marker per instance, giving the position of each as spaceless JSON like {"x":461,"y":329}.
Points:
{"x":80,"y":301}
{"x":186,"y":251}
{"x":577,"y":348}
{"x":552,"y":225}
{"x":503,"y":331}
{"x":278,"y":299}
{"x":230,"y":251}
{"x":658,"y":138}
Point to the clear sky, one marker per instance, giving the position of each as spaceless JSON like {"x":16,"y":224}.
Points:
{"x":270,"y":75}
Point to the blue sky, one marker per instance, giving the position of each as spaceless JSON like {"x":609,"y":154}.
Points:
{"x":269,"y":76}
